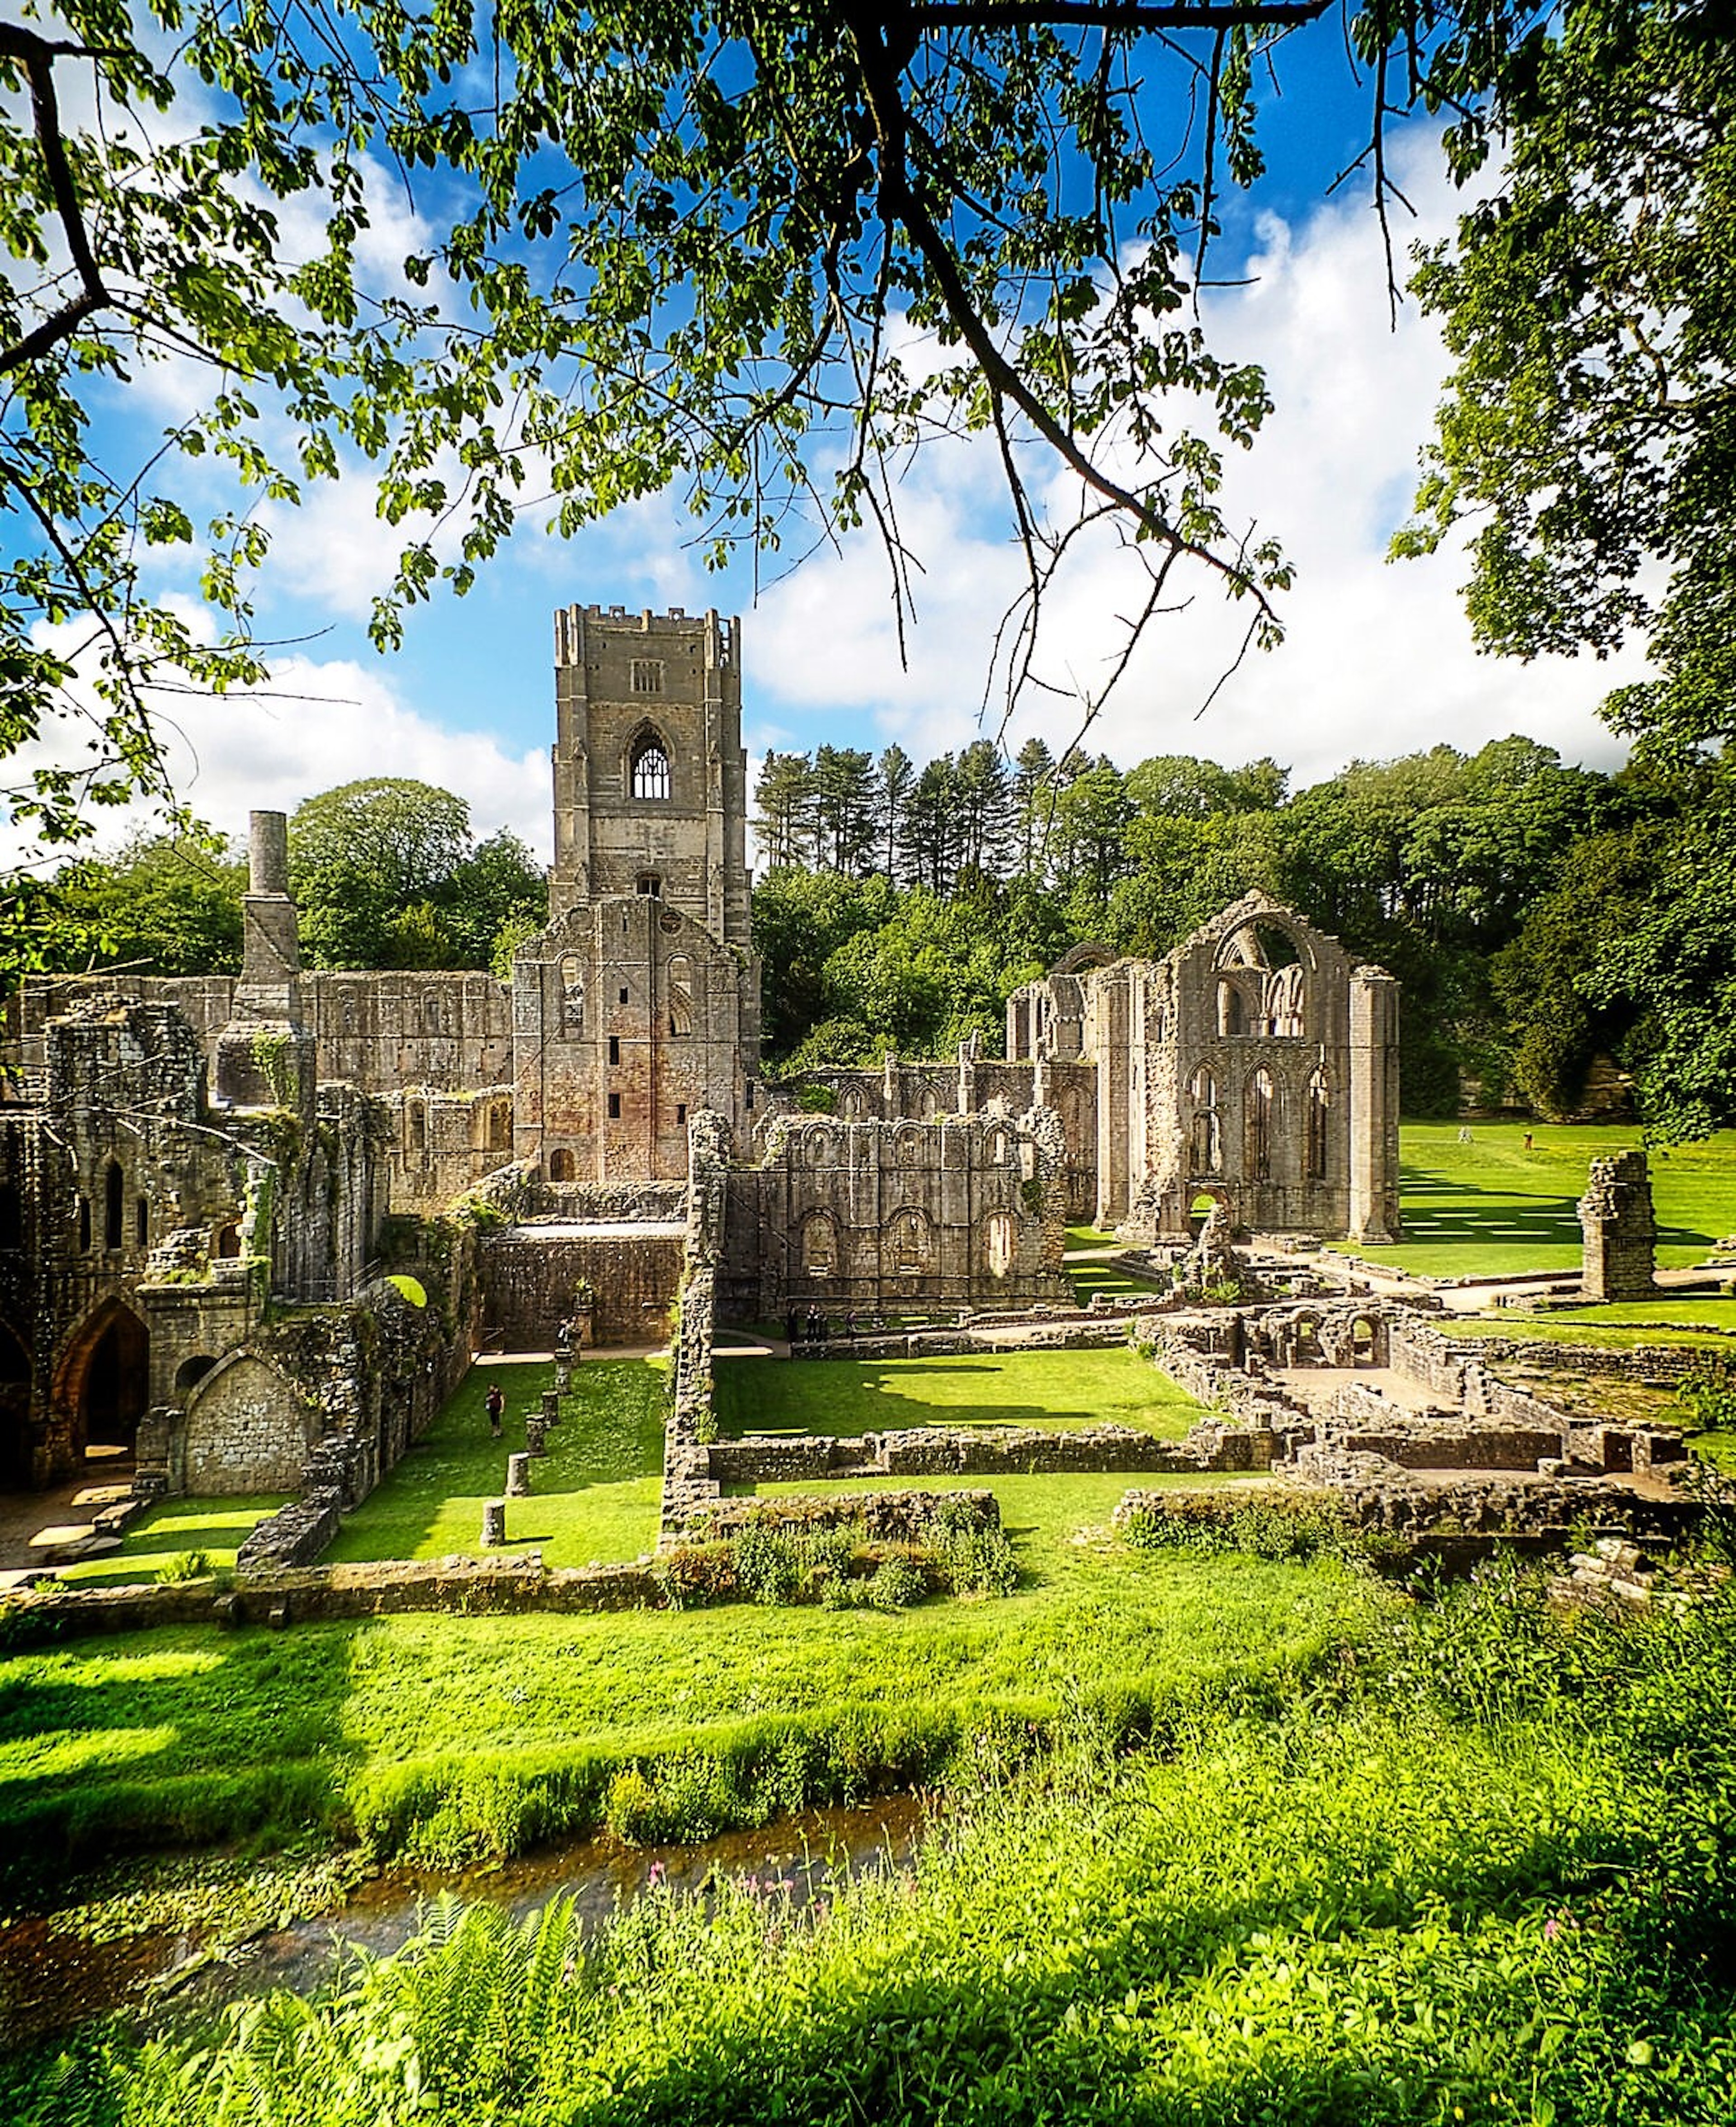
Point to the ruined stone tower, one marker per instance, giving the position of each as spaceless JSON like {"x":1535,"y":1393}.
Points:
{"x":650,"y":779}
{"x":640,"y":1004}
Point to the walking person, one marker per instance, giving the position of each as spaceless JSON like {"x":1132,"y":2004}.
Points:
{"x":494,"y":1404}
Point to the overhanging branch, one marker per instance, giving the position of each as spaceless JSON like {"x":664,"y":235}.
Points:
{"x":36,"y":55}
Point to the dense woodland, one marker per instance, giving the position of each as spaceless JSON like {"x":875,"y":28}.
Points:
{"x":1538,"y":915}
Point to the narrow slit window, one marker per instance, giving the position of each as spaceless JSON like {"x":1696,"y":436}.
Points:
{"x":614,"y":1107}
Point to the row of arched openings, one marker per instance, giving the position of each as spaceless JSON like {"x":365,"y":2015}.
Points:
{"x":907,"y":1247}
{"x":1262,"y":1123}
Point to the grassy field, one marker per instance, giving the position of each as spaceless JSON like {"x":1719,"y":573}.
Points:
{"x":1053,"y":1391}
{"x":167,"y":1539}
{"x":1491,"y":1206}
{"x":1483,"y":1874}
{"x":596,"y":1492}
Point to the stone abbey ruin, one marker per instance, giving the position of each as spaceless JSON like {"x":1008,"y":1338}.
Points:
{"x":224,"y":1201}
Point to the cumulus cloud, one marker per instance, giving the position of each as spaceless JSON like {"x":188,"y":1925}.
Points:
{"x":316,"y":723}
{"x":1379,"y":658}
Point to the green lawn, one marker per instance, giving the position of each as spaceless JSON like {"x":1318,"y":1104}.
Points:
{"x":1620,"y":1327}
{"x":598,"y":1492}
{"x":1491,"y":1207}
{"x":444,"y":1735}
{"x":1054,"y":1391}
{"x":165,"y":1534}
{"x":1088,"y":1279}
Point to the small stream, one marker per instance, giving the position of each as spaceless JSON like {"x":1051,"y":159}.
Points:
{"x":51,"y":1981}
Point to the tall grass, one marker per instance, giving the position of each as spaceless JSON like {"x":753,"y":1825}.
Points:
{"x":1496,"y":1887}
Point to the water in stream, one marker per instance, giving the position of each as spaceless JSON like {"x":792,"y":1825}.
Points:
{"x":51,"y":1981}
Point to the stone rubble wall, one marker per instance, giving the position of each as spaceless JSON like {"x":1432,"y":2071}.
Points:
{"x":531,"y":1274}
{"x":460,"y":1587}
{"x":908,"y":1517}
{"x":1006,"y":1452}
{"x":687,"y":1482}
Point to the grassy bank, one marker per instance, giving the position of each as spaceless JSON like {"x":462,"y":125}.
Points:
{"x":453,"y":1737}
{"x":1485,"y":1873}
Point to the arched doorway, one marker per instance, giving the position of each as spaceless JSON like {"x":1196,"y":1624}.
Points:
{"x":15,"y":1472}
{"x":105,"y":1384}
{"x":1203,"y":1202}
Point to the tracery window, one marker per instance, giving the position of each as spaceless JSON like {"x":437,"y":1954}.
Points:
{"x":650,"y":770}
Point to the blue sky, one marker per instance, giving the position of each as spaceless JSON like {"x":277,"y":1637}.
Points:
{"x":1379,"y":660}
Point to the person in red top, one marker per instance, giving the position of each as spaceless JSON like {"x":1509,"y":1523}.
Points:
{"x":494,"y":1404}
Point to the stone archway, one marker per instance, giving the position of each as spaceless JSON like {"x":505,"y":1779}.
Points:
{"x":1202,"y":1195}
{"x":104,"y":1383}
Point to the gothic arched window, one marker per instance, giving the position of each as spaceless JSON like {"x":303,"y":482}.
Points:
{"x":650,"y":770}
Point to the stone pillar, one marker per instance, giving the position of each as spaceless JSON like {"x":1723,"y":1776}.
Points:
{"x":535,"y":1434}
{"x":1114,"y":1100}
{"x":551,"y":1406}
{"x":1373,"y":1104}
{"x":518,"y":1477}
{"x":265,"y":1056}
{"x":1621,"y":1232}
{"x":494,"y":1524}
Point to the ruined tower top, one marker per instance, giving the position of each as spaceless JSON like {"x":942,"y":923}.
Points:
{"x":650,"y":779}
{"x":267,"y":853}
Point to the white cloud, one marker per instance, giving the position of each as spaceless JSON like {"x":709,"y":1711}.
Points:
{"x":1379,"y":658}
{"x":316,"y":723}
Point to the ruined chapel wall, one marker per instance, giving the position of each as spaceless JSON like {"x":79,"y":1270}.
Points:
{"x":910,"y":1215}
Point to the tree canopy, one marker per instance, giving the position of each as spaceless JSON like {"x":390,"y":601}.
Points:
{"x":755,"y":251}
{"x":1589,"y":432}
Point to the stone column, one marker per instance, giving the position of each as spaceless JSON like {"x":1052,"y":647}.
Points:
{"x":265,"y":1056}
{"x":1620,"y":1231}
{"x":494,"y":1524}
{"x":518,"y":1477}
{"x":1373,"y":1104}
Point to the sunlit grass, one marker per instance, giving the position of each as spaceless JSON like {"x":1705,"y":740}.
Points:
{"x":1053,"y":1391}
{"x":1489,"y":1207}
{"x":596,"y":1495}
{"x":166,"y":1537}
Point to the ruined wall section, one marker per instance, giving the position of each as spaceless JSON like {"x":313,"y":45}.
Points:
{"x":452,"y":1032}
{"x":631,"y":1019}
{"x":883,"y":1217}
{"x":443,"y":1145}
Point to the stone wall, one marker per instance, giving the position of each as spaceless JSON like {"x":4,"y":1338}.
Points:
{"x":530,"y":1274}
{"x":914,"y":1217}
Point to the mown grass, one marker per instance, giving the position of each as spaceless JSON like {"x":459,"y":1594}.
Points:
{"x":1485,"y":1873}
{"x":1051,"y":1391}
{"x":1623,"y":1328}
{"x":166,"y":1538}
{"x":1491,"y":1208}
{"x":596,"y":1492}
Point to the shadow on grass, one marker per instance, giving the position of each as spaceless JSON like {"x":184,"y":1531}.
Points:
{"x":847,"y":1397}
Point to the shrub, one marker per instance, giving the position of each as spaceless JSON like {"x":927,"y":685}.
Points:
{"x":1705,"y":1396}
{"x":766,"y":1566}
{"x":897,"y":1582}
{"x":184,"y":1565}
